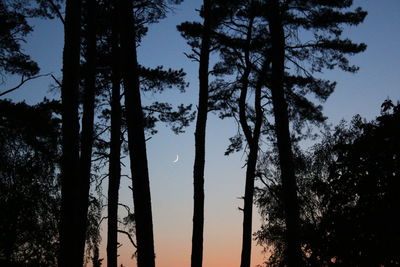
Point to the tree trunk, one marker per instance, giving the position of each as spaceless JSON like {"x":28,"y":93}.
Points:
{"x":200,"y":139}
{"x":283,"y":136}
{"x":251,"y":175}
{"x":69,"y":251}
{"x":248,"y":206}
{"x":253,"y":141}
{"x":85,"y":163}
{"x":136,"y":138}
{"x":115,"y":151}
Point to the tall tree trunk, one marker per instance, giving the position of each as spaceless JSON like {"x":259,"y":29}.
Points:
{"x":69,"y":251}
{"x":248,"y":205}
{"x":136,"y":138}
{"x":200,"y":140}
{"x":85,"y":164}
{"x":115,"y":150}
{"x":250,"y":178}
{"x":280,"y":109}
{"x":251,"y":158}
{"x":252,"y":138}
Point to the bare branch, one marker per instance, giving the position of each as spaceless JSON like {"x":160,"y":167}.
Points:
{"x":192,"y":57}
{"x":101,"y":220}
{"x":305,"y":71}
{"x":22,"y":82}
{"x":57,"y":81}
{"x":126,"y":207}
{"x":129,"y":236}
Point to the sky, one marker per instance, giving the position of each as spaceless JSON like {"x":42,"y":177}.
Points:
{"x":171,"y":183}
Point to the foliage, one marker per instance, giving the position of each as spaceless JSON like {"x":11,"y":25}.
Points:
{"x":93,"y":237}
{"x":313,"y":44}
{"x":348,"y":189}
{"x":29,"y":183}
{"x":153,"y":81}
{"x":14,"y":28}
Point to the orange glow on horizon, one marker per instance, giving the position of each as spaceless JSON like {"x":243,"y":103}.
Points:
{"x":176,"y":253}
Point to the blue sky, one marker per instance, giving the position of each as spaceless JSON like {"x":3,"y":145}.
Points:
{"x":171,"y":183}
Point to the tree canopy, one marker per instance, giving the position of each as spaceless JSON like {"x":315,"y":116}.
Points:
{"x":261,"y":64}
{"x":348,"y":188}
{"x":29,"y":183}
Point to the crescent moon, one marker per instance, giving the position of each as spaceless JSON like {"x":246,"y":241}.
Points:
{"x":176,"y":160}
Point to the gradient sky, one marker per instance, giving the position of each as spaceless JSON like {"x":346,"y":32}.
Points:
{"x":171,"y":183}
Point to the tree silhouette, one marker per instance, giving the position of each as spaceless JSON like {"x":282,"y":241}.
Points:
{"x":87,"y":133}
{"x":262,"y":43}
{"x":200,"y":133}
{"x":239,"y":46}
{"x":201,"y":39}
{"x":29,"y":183}
{"x":136,"y":138}
{"x":289,"y":188}
{"x":332,"y":205}
{"x":361,"y":193}
{"x":70,"y":249}
{"x":108,"y":97}
{"x":15,"y":26}
{"x":238,"y":41}
{"x":131,"y":25}
{"x":348,"y":196}
{"x":329,"y":50}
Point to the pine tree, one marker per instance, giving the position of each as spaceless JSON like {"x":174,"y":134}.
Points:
{"x":200,"y":138}
{"x":199,"y":37}
{"x":280,"y":108}
{"x":15,"y":27}
{"x":327,"y":50}
{"x":250,"y":52}
{"x":131,"y":26}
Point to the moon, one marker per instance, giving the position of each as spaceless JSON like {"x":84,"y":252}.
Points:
{"x":176,"y":160}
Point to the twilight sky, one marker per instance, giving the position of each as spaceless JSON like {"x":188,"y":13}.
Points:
{"x":171,"y":183}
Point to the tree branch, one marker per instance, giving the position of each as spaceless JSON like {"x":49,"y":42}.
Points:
{"x":126,"y":207}
{"x":129,"y":236}
{"x":57,"y":81}
{"x":55,"y":9}
{"x":22,"y":82}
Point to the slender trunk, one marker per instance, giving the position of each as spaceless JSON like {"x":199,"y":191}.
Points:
{"x":283,"y":137}
{"x":136,"y":138}
{"x":85,"y":163}
{"x":248,"y":206}
{"x":200,"y":140}
{"x":252,"y":157}
{"x":253,"y":141}
{"x":69,"y":254}
{"x":115,"y":151}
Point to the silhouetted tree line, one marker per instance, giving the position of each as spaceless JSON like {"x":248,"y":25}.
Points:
{"x":332,"y":205}
{"x":348,"y":194}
